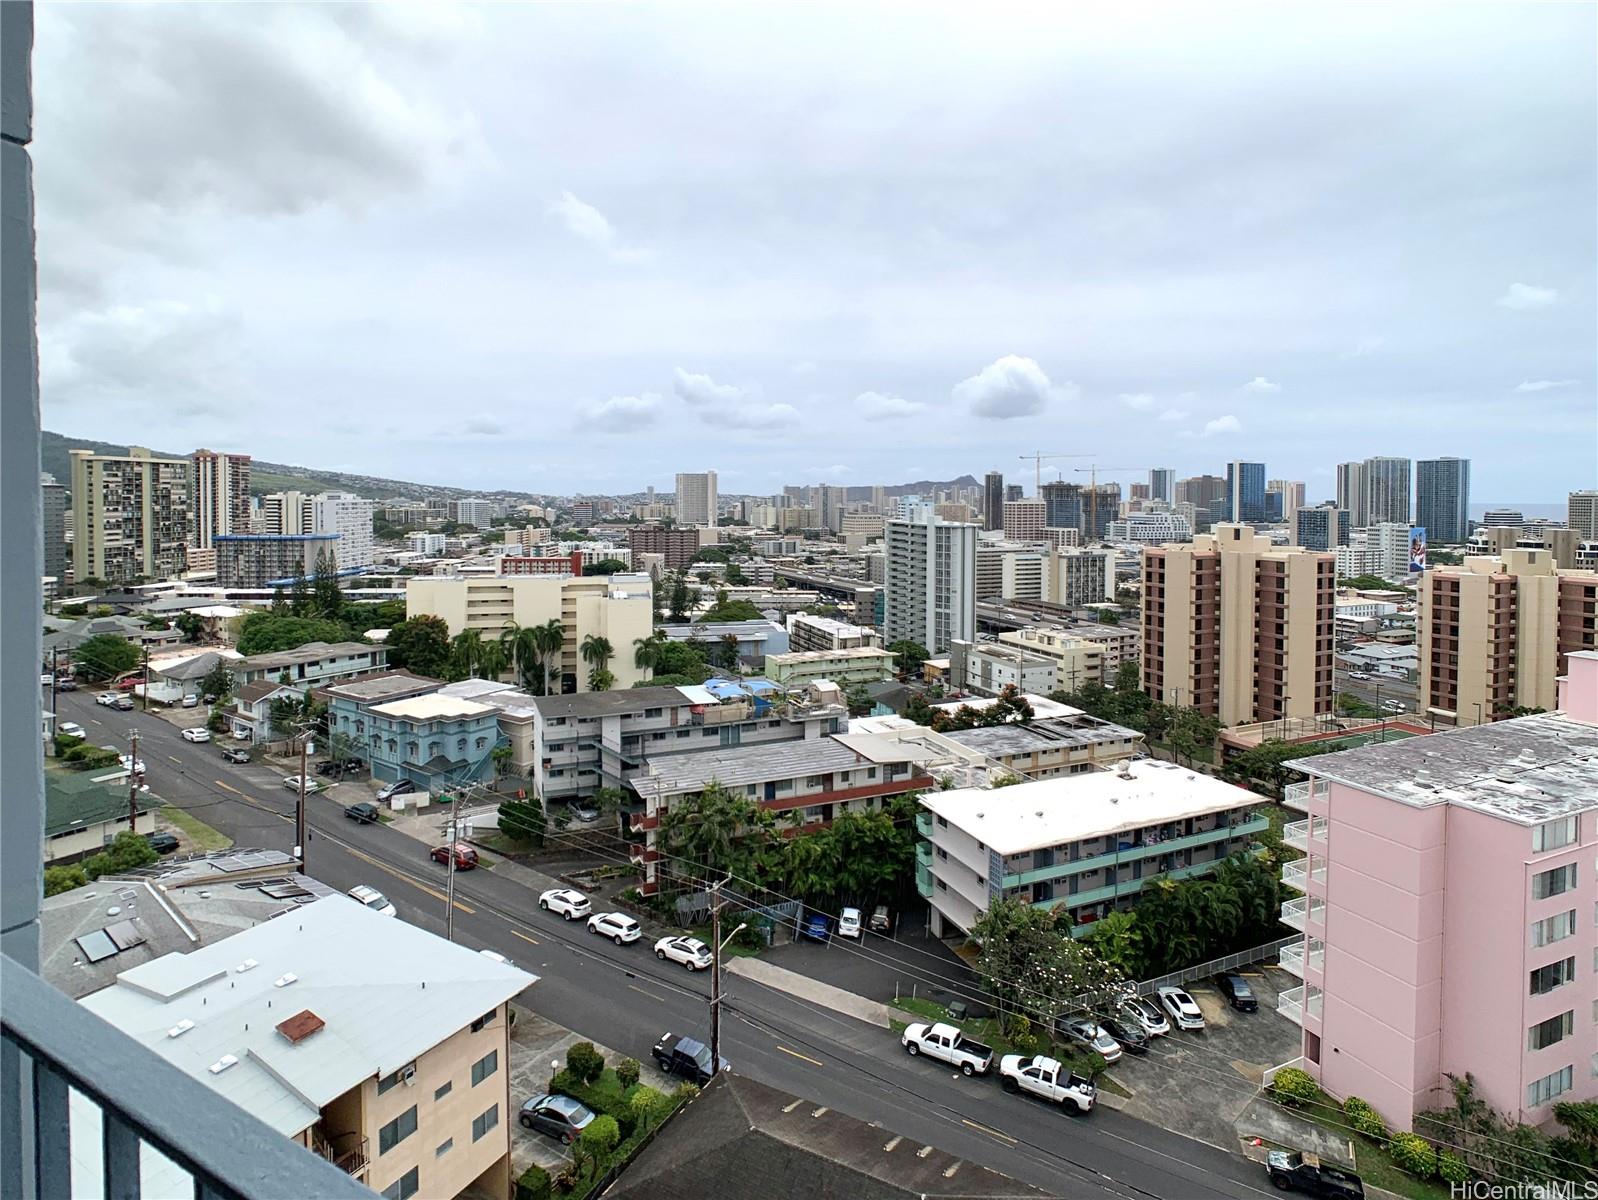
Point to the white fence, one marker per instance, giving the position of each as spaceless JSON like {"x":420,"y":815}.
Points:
{"x":1216,"y":966}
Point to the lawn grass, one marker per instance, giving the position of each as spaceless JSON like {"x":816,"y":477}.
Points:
{"x":197,"y":831}
{"x":1373,"y":1165}
{"x":735,"y":948}
{"x":607,"y":1093}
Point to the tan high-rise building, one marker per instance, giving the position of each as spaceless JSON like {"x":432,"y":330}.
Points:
{"x":1238,"y":628}
{"x":696,"y":499}
{"x":1581,"y":514}
{"x":1494,"y":633}
{"x":219,"y":485}
{"x":130,"y":516}
{"x":1025,"y":520}
{"x":1292,"y":493}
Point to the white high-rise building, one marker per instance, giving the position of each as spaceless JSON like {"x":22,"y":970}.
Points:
{"x":931,"y":593}
{"x":1387,"y":491}
{"x":284,"y":513}
{"x":696,"y":498}
{"x":219,"y":488}
{"x":1351,"y":493}
{"x":350,"y":517}
{"x":1581,"y":514}
{"x":476,"y":512}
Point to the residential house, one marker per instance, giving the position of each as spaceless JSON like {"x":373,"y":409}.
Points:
{"x":315,"y":664}
{"x":434,"y":740}
{"x":987,"y":668}
{"x":250,"y":718}
{"x":85,"y":810}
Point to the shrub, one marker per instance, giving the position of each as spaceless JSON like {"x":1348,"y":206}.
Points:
{"x":534,"y":1184}
{"x":1353,"y":1106}
{"x":685,"y":1092}
{"x":1370,"y":1124}
{"x":63,"y":879}
{"x":66,"y":741}
{"x":1293,"y":1086}
{"x":564,"y":1083}
{"x":1413,"y":1154}
{"x":598,"y":1139}
{"x":217,"y":721}
{"x":1452,"y":1168}
{"x":648,"y":1106}
{"x":127,"y":851}
{"x":627,"y":1072}
{"x":583,"y":1061}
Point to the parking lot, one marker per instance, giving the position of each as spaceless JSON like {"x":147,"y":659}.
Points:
{"x":881,"y":968}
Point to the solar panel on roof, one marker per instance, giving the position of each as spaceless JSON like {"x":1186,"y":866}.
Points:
{"x":125,"y":935}
{"x":283,"y":890}
{"x":96,"y":946}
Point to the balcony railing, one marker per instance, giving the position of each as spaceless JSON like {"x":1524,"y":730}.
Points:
{"x":1299,"y":834}
{"x":1305,"y":910}
{"x":1301,"y":795}
{"x":1298,"y":875}
{"x":1295,"y":1003}
{"x":1112,"y":859}
{"x":924,"y":880}
{"x":1294,"y":959}
{"x":52,"y":1051}
{"x":924,"y":853}
{"x":924,"y":823}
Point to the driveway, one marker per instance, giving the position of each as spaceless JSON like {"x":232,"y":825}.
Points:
{"x":911,"y":962}
{"x":1200,"y":1083}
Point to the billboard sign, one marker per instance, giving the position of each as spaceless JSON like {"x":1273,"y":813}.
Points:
{"x":1417,"y":549}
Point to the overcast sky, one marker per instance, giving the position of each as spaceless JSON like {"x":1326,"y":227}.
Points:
{"x":580,"y":248}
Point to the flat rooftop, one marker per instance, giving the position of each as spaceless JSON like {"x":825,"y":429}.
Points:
{"x":738,"y":768}
{"x":1068,"y":808}
{"x":434,"y":706}
{"x":1036,"y":737}
{"x":1043,"y":708}
{"x":308,"y":653}
{"x":1527,"y":770}
{"x":588,"y":705}
{"x":851,"y":654}
{"x":379,"y":688}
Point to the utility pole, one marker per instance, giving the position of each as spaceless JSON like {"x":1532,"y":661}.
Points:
{"x":54,"y":650}
{"x":133,"y":784}
{"x":147,"y":679}
{"x":449,"y":851}
{"x":299,"y":804}
{"x":715,"y":977}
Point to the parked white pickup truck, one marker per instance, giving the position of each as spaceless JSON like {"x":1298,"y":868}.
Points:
{"x":948,"y":1044}
{"x":1047,"y":1079}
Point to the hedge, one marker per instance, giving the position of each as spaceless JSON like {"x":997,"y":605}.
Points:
{"x":534,"y":1184}
{"x":1452,"y":1168}
{"x":1293,"y":1086}
{"x":1414,"y":1154}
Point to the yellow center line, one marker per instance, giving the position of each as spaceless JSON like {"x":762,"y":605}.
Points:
{"x":806,"y":1057}
{"x":525,"y":938}
{"x":229,"y":787}
{"x":400,"y":875}
{"x":991,"y":1132}
{"x":175,"y":759}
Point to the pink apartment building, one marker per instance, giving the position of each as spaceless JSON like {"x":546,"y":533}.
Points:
{"x":1449,"y":910}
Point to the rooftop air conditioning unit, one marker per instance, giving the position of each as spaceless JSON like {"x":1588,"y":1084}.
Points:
{"x":408,"y":1075}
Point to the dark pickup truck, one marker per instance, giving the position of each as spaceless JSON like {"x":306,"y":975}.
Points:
{"x":1291,"y":1171}
{"x":686,"y":1057}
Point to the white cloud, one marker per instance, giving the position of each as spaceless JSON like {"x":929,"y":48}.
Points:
{"x":1011,"y":387}
{"x":831,"y":472}
{"x":586,"y":222}
{"x":875,"y":406}
{"x":1261,"y":384}
{"x":1523,"y":297}
{"x":728,"y":406}
{"x":803,"y":368}
{"x":1137,"y":400}
{"x":1175,"y":414}
{"x":621,"y":414}
{"x":1226,"y":424}
{"x":1545,"y":385}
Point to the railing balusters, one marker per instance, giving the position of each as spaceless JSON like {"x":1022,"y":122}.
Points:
{"x":120,"y":1146}
{"x":52,"y":1138}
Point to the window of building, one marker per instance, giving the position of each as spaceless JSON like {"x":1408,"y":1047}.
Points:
{"x":393,"y":1077}
{"x":1551,"y":835}
{"x":484,"y":1021}
{"x":483,"y":1124}
{"x":1549,"y":1086}
{"x":440,"y":1093}
{"x":484,"y":1067}
{"x":1553,"y":883}
{"x":815,"y":781}
{"x":1555,"y":1029}
{"x":482,"y":743}
{"x":405,"y":1186}
{"x":1556,"y":974}
{"x":397,"y":1130}
{"x":447,"y":1145}
{"x":1553,"y":929}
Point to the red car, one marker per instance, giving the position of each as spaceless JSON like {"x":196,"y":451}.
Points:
{"x":465,"y":856}
{"x":127,"y":685}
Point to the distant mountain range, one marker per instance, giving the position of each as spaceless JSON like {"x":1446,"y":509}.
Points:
{"x":264,"y":476}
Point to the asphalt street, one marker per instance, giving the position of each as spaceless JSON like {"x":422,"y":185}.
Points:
{"x":624,"y":997}
{"x":1377,"y":688}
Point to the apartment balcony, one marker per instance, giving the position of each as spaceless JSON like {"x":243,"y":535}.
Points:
{"x":924,"y":823}
{"x":1298,"y":1002}
{"x":1301,"y":795}
{"x":1304,"y":911}
{"x":924,"y":853}
{"x":1142,"y":850}
{"x":1299,"y":834}
{"x":1294,"y":959}
{"x":90,"y":1111}
{"x":924,"y":880}
{"x":1298,"y":874}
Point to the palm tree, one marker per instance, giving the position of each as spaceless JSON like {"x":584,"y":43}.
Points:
{"x":521,"y":646}
{"x":491,"y":660}
{"x":548,"y":640}
{"x":646,"y":650}
{"x":466,"y":649}
{"x":597,"y":653}
{"x":507,"y":642}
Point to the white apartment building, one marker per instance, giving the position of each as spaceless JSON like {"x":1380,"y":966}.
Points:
{"x":617,"y":608}
{"x":1024,"y":520}
{"x":845,"y":668}
{"x":931,"y":581}
{"x":428,"y":544}
{"x":1381,"y":550}
{"x":1091,"y":842}
{"x":1581,"y":514}
{"x":350,"y":517}
{"x":280,"y":514}
{"x":987,"y":668}
{"x":696,"y":498}
{"x":1073,"y":577}
{"x":1077,"y":660}
{"x":1009,"y":571}
{"x":474,"y":511}
{"x":1149,"y":528}
{"x":807,"y":632}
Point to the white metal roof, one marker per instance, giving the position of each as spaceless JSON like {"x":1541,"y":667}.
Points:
{"x":432,"y":706}
{"x":386,"y":990}
{"x":1068,"y":808}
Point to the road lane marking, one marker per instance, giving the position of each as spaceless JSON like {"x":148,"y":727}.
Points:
{"x":888,"y":1146}
{"x":525,"y":938}
{"x":793,"y":1106}
{"x":175,"y":759}
{"x":400,"y":875}
{"x":806,"y":1057}
{"x":642,"y":992}
{"x":229,"y":787}
{"x":990,"y":1132}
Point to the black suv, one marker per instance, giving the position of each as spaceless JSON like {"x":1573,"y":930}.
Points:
{"x":162,"y":843}
{"x":686,"y":1057}
{"x":1237,"y":992}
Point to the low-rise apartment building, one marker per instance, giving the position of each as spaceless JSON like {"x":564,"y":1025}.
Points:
{"x":317,"y":1025}
{"x":813,"y":781}
{"x":1450,"y":887}
{"x":1088,"y":843}
{"x":754,"y":639}
{"x":862,"y":665}
{"x":987,"y":668}
{"x":807,"y":632}
{"x":435,"y":741}
{"x":617,"y":608}
{"x":1077,"y":660}
{"x":255,"y":560}
{"x":315,"y":664}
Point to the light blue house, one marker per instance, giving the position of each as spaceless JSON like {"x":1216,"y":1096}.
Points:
{"x":434,"y":740}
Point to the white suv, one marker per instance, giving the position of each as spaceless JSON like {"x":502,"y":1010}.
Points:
{"x":849,"y":923}
{"x":618,"y":927}
{"x":1182,"y":1009}
{"x":374,"y":900}
{"x":569,"y":904}
{"x":691,"y":952}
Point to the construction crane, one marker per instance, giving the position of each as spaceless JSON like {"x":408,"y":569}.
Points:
{"x":1093,"y":490}
{"x":1037,"y":460}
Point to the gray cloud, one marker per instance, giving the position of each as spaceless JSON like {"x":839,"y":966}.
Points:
{"x":728,"y":406}
{"x":621,"y":414}
{"x":1008,"y":388}
{"x":1524,"y":297}
{"x":1544,"y":385}
{"x":874,"y":406}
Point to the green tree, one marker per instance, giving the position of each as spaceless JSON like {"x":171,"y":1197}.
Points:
{"x":190,"y":626}
{"x":1118,"y":938}
{"x":327,"y":600}
{"x":465,"y":653}
{"x":420,"y":644}
{"x":127,"y":851}
{"x":1262,"y":765}
{"x":1028,"y":961}
{"x":218,"y":682}
{"x":646,"y":650}
{"x":548,"y":640}
{"x":522,"y":820}
{"x":502,"y":755}
{"x":268,"y":633}
{"x":105,"y":656}
{"x":716,"y":831}
{"x":605,"y":566}
{"x":300,"y":601}
{"x":735,"y":577}
{"x":858,"y":699}
{"x":649,"y":1106}
{"x":908,"y":655}
{"x":585,"y":1062}
{"x":729,"y":610}
{"x":597,"y":1141}
{"x":627,"y":1072}
{"x":63,"y":879}
{"x":713,"y":554}
{"x":680,"y":598}
{"x":597,"y":652}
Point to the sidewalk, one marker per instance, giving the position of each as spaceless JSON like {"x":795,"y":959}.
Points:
{"x":813,"y":990}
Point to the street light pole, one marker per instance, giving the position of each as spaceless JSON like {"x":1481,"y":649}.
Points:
{"x":716,"y":905}
{"x":449,"y":855}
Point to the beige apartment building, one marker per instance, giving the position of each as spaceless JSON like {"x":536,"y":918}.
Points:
{"x":378,"y":1045}
{"x":219,"y":487}
{"x":130,"y":516}
{"x":1494,"y":633}
{"x":617,"y":608}
{"x":1238,"y":628}
{"x":1076,"y":659}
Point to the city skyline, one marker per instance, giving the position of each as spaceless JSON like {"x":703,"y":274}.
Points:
{"x":485,"y":260}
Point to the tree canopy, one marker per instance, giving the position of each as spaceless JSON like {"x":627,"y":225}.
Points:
{"x":908,"y":656}
{"x":420,"y":644}
{"x":268,"y":633}
{"x":105,"y":656}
